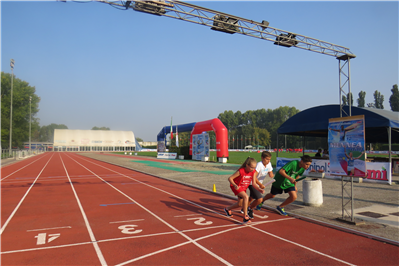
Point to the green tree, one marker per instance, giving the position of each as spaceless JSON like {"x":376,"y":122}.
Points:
{"x":345,"y":100}
{"x":394,"y":99}
{"x":263,"y":135}
{"x":255,"y":122}
{"x":139,"y":139}
{"x":100,"y":128}
{"x":228,"y":119}
{"x":46,"y":133}
{"x":378,"y":100}
{"x":22,"y":109}
{"x":361,"y":101}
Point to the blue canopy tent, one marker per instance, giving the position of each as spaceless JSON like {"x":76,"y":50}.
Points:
{"x":381,"y":126}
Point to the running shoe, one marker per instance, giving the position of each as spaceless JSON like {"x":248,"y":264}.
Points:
{"x":281,"y":211}
{"x":250,"y":213}
{"x":228,"y":212}
{"x":259,"y":207}
{"x":242,"y":211}
{"x":246,"y":220}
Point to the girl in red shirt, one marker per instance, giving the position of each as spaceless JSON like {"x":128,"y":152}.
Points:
{"x":239,"y":183}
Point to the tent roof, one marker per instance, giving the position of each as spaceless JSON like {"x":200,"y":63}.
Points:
{"x":314,"y":122}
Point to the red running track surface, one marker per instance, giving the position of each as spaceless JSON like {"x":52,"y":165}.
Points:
{"x":65,"y":209}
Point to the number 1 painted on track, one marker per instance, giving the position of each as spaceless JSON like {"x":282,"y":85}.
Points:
{"x":41,"y":238}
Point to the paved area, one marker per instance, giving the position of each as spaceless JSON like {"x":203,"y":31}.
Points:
{"x":376,"y":206}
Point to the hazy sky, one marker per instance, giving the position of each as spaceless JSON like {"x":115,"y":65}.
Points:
{"x":95,"y":65}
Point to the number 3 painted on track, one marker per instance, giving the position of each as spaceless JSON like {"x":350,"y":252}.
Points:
{"x":200,"y":221}
{"x":129,"y":229}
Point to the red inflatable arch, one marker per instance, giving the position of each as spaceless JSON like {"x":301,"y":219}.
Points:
{"x":222,"y":149}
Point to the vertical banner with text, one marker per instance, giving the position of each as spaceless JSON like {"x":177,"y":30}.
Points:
{"x":346,"y":141}
{"x":200,"y":146}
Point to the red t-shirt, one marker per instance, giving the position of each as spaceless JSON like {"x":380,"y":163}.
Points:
{"x":242,"y":181}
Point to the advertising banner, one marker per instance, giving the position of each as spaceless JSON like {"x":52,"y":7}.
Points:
{"x":376,"y":171}
{"x":161,"y":146}
{"x":200,"y":146}
{"x":346,"y":142}
{"x":166,"y":155}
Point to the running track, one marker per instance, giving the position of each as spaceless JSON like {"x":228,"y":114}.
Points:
{"x":66,"y":209}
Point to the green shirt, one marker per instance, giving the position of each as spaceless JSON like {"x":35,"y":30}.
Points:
{"x":292,"y":169}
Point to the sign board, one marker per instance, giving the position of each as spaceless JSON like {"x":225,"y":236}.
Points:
{"x":200,"y":146}
{"x":380,"y":172}
{"x":346,"y":142}
{"x":161,"y":146}
{"x":166,"y":155}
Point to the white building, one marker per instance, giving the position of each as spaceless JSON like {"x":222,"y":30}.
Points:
{"x":93,"y":140}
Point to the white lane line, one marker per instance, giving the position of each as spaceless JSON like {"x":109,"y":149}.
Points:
{"x":23,"y":167}
{"x":45,"y":248}
{"x":156,"y":216}
{"x":218,"y":213}
{"x":61,"y":227}
{"x":118,"y":222}
{"x":302,"y":246}
{"x":23,"y":198}
{"x":92,"y":238}
{"x":181,"y":244}
{"x":194,"y":214}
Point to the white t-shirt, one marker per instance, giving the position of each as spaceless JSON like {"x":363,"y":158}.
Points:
{"x":263,"y":171}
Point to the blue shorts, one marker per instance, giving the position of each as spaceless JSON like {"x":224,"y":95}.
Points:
{"x":275,"y":190}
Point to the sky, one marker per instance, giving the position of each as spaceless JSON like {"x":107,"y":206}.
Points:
{"x":94,"y":65}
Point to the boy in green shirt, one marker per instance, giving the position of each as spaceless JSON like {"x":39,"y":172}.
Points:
{"x":285,"y":181}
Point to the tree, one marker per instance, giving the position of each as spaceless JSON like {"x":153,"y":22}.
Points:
{"x":46,"y":133}
{"x":361,"y":101}
{"x":263,"y":135}
{"x":228,"y":119}
{"x":394,"y":99}
{"x":345,"y":100}
{"x":22,"y":110}
{"x":100,"y":128}
{"x":378,"y":100}
{"x":262,"y":123}
{"x":139,"y":139}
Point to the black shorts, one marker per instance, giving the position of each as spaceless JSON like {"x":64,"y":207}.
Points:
{"x":254,"y":193}
{"x":275,"y":190}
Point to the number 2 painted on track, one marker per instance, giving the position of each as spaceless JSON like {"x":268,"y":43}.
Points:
{"x":129,"y":229}
{"x":200,"y":221}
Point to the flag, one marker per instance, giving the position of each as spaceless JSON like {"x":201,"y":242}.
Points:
{"x":177,"y":137}
{"x":171,"y":129}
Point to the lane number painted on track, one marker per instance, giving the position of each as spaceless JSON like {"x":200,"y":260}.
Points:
{"x":42,"y":237}
{"x":129,"y":229}
{"x":200,"y":221}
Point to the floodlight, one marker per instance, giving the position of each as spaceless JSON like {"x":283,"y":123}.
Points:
{"x":150,"y":9}
{"x":225,"y":24}
{"x":286,"y":40}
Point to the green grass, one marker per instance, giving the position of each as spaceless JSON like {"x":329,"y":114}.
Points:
{"x":235,"y":157}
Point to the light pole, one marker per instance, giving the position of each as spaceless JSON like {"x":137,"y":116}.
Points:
{"x":12,"y":77}
{"x":30,"y":121}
